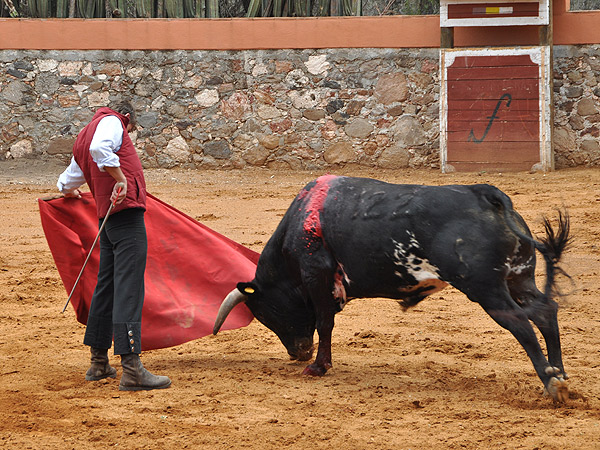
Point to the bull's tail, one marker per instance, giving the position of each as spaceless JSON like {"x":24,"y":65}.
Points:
{"x":551,"y":246}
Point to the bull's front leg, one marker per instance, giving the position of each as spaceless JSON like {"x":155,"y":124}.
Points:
{"x":323,"y":360}
{"x":319,"y":287}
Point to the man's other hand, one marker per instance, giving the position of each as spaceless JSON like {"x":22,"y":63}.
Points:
{"x":119,"y":196}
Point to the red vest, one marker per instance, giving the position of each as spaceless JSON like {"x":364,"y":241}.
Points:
{"x":101,"y":183}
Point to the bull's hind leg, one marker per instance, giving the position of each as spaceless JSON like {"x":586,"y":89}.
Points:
{"x":543,"y":313}
{"x":544,"y":316}
{"x":501,"y":307}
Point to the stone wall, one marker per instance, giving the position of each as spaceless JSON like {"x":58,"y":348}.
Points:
{"x":299,"y":109}
{"x":577,"y":106}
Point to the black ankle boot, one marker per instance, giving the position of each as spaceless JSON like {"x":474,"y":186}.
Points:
{"x":100,"y":367}
{"x":136,"y":378}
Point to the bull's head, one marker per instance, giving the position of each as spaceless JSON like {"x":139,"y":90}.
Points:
{"x":284,"y":313}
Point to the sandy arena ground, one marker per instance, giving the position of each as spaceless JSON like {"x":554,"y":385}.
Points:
{"x":440,"y":376}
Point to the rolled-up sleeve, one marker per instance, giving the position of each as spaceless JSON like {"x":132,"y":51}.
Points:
{"x":107,"y":140}
{"x":71,"y":178}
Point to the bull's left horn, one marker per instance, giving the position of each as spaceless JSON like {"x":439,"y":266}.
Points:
{"x":234,"y":298}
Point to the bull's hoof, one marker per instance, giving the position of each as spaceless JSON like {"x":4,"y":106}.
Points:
{"x":558,"y":389}
{"x":315,"y":370}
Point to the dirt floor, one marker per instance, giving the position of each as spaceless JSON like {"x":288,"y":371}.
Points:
{"x":442,"y":375}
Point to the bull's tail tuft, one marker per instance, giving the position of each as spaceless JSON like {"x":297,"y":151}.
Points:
{"x":557,"y":242}
{"x":552,"y":247}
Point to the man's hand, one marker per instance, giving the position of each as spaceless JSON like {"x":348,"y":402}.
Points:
{"x":117,"y":174}
{"x":119,"y":196}
{"x":74,"y":193}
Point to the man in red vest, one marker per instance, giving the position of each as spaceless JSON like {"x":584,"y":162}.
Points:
{"x":103,"y":155}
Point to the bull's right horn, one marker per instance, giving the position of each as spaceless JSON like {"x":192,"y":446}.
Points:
{"x":234,"y":298}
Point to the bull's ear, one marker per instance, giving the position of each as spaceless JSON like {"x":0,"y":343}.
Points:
{"x":247,"y":288}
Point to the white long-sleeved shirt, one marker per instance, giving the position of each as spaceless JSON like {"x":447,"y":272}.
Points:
{"x":105,"y":144}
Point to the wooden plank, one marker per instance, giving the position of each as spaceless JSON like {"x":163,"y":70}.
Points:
{"x":518,"y":89}
{"x":494,"y":152}
{"x":493,"y":136}
{"x":497,"y":132}
{"x":508,"y":129}
{"x":489,"y":8}
{"x":492,"y":13}
{"x":487,"y":105}
{"x":446,"y":37}
{"x":493,"y":73}
{"x":492,"y":10}
{"x":492,"y":61}
{"x":500,"y":166}
{"x":468,"y":121}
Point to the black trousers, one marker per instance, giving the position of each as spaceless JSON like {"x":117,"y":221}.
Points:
{"x":116,"y":308}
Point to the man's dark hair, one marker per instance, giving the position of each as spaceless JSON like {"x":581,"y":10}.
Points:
{"x":124,"y":107}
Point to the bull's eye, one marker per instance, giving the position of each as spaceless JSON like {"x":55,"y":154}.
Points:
{"x":248,"y":290}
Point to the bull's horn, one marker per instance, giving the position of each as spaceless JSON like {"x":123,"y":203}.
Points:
{"x":234,"y":298}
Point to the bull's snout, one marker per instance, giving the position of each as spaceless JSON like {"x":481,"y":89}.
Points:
{"x":302,"y":350}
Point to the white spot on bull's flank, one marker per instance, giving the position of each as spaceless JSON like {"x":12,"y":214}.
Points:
{"x":514,"y":266}
{"x":412,"y":240}
{"x":419,"y":268}
{"x":425,"y":273}
{"x":518,"y":269}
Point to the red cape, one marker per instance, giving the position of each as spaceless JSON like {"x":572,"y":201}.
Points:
{"x":190,"y":268}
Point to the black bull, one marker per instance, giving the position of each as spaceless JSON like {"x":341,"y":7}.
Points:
{"x":346,"y":238}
